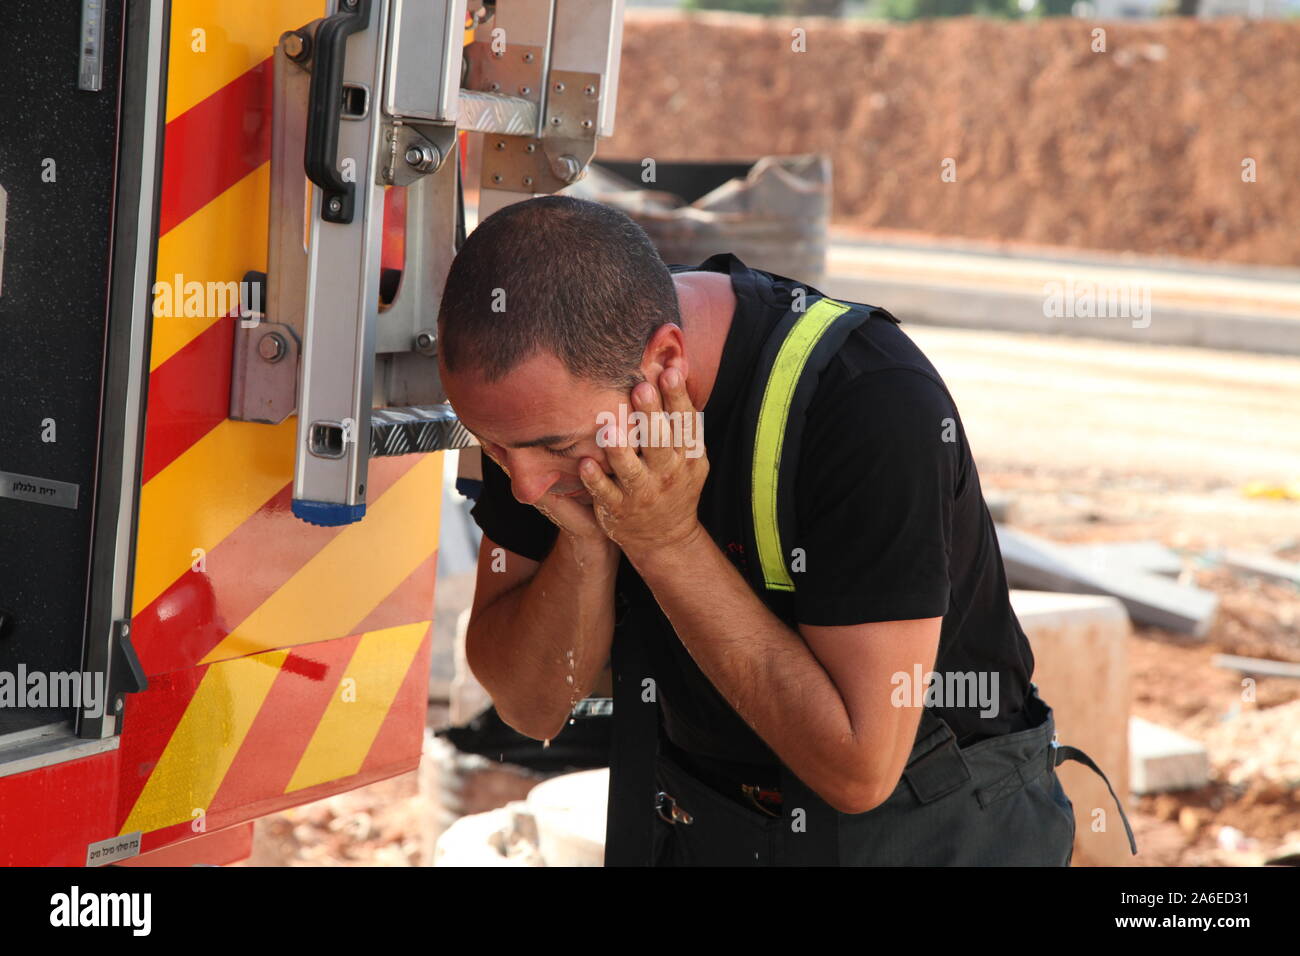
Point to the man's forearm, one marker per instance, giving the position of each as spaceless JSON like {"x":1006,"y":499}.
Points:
{"x":763,"y":668}
{"x":539,"y":648}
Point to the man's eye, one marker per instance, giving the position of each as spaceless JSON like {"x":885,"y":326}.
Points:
{"x":562,"y":452}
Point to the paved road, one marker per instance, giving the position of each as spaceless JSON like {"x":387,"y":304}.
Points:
{"x":1160,"y":409}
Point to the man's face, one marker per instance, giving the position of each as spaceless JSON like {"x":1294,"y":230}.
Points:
{"x":540,"y":406}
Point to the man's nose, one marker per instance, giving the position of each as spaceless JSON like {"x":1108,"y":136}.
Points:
{"x":528,"y":482}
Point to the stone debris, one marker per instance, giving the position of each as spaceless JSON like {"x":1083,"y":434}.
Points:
{"x":1161,"y":760}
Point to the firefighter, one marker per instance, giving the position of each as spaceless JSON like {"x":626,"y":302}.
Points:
{"x":813,"y":652}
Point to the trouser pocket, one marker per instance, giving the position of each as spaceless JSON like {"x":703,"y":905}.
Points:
{"x":707,"y":829}
{"x":996,"y":803}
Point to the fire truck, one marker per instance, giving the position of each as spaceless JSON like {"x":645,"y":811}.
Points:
{"x":224,"y":229}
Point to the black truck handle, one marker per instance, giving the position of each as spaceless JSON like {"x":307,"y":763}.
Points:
{"x":325,"y":108}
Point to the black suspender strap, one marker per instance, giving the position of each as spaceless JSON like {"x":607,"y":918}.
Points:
{"x":630,"y":820}
{"x":1065,"y":752}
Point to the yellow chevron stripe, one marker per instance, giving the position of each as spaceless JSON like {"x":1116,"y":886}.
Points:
{"x":219,"y":243}
{"x":216,"y":41}
{"x":358,"y":708}
{"x":205,"y":742}
{"x":335,"y":591}
{"x":234,"y":469}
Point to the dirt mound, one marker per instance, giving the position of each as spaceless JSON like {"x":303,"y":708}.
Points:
{"x":1138,"y":148}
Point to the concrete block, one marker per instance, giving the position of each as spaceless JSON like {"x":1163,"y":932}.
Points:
{"x":456,"y":785}
{"x":561,"y":823}
{"x":1080,"y":646}
{"x":1262,"y":566}
{"x":505,"y":836}
{"x":1034,"y":562}
{"x":570,"y":811}
{"x":1151,"y":557}
{"x":1162,"y":760}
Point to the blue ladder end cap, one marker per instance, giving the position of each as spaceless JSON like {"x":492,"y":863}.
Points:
{"x":327,"y":514}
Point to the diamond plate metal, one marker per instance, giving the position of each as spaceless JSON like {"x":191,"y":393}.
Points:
{"x":421,"y":428}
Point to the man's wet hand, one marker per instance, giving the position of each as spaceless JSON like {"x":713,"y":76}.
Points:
{"x":651,"y":501}
{"x":574,"y":518}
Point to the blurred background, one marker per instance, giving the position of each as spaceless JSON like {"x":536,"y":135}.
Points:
{"x":1085,"y":215}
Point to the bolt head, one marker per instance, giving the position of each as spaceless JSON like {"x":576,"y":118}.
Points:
{"x":589,"y":90}
{"x":528,"y":180}
{"x":572,"y":168}
{"x":559,"y":87}
{"x":525,"y":90}
{"x":530,"y":148}
{"x":496,"y":178}
{"x":271,"y":347}
{"x":293,"y":45}
{"x":528,"y":58}
{"x":422,"y":157}
{"x":336,"y":204}
{"x":586,"y":124}
{"x":501,"y":144}
{"x":555,"y":121}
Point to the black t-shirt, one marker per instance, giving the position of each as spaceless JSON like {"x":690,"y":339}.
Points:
{"x":889,"y":513}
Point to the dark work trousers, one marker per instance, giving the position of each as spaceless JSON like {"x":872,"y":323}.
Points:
{"x":997,"y":802}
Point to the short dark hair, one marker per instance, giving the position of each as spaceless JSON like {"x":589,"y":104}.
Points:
{"x":575,"y":278}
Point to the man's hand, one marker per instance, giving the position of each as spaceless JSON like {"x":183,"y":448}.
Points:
{"x":650,"y":503}
{"x":575,"y":519}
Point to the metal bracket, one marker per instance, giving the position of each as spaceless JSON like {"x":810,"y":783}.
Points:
{"x":264,"y":373}
{"x":264,"y":362}
{"x":125,"y":675}
{"x":517,"y":71}
{"x":258,"y":382}
{"x":572,"y":111}
{"x":411,"y":152}
{"x":529,"y":164}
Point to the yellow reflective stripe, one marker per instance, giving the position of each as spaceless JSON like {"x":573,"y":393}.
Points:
{"x":773,"y":414}
{"x":236,"y":468}
{"x":215,"y":42}
{"x":204,"y":743}
{"x":219,"y":243}
{"x":355,"y":713}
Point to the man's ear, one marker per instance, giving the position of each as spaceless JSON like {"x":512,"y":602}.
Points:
{"x":666,"y":349}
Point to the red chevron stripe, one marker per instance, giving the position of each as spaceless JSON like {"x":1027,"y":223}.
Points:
{"x":215,"y":144}
{"x":189,"y":395}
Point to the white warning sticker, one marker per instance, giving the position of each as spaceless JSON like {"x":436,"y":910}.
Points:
{"x":113,"y":849}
